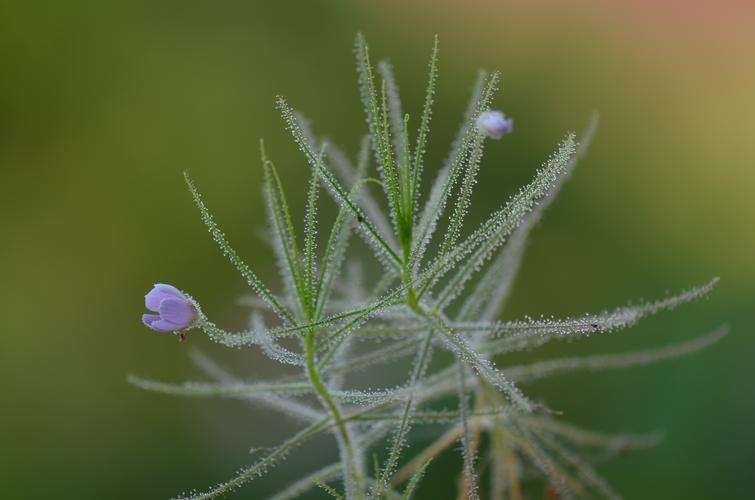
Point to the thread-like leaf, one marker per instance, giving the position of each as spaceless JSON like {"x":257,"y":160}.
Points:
{"x":376,"y":107}
{"x":282,"y":404}
{"x":592,"y":439}
{"x":446,"y":178}
{"x":329,"y":490}
{"x":269,"y":345}
{"x":519,"y":335}
{"x":231,"y":254}
{"x":554,"y":367}
{"x":587,"y":474}
{"x":350,"y":174}
{"x":310,"y":229}
{"x":468,"y":452}
{"x":196,"y":389}
{"x":493,"y":287}
{"x":481,"y":366}
{"x":418,"y":370}
{"x":334,"y":187}
{"x":494,"y":231}
{"x":382,"y":355}
{"x":395,"y":112}
{"x":564,"y":483}
{"x":280,"y":219}
{"x":465,"y":193}
{"x":424,"y":125}
{"x":303,"y":485}
{"x":259,"y":467}
{"x":414,"y":481}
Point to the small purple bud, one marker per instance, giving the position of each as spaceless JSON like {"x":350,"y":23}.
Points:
{"x":175,"y":311}
{"x":494,"y":124}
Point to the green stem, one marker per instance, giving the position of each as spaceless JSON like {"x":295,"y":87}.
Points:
{"x":314,"y":377}
{"x":406,"y":269}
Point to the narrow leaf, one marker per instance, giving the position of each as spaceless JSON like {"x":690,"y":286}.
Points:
{"x":494,"y":231}
{"x":555,"y":367}
{"x":231,"y":254}
{"x":334,"y":187}
{"x":424,"y":126}
{"x":418,"y":370}
{"x":484,"y":368}
{"x":492,"y":289}
{"x":446,"y":178}
{"x":259,"y":467}
{"x":414,"y":481}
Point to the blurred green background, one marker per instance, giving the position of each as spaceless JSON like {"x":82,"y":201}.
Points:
{"x":104,"y":104}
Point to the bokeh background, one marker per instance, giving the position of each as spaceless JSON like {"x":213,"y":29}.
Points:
{"x":104,"y":104}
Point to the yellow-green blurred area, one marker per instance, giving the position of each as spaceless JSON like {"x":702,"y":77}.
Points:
{"x":103,"y":105}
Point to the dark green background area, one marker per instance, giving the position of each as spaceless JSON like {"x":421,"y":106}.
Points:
{"x":104,"y":104}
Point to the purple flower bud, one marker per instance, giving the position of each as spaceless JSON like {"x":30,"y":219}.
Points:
{"x":175,"y":310}
{"x":494,"y":124}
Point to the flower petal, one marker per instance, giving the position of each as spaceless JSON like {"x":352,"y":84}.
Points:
{"x":160,"y":292}
{"x":164,"y":326}
{"x":158,"y":324}
{"x":177,"y":311}
{"x":148,"y":319}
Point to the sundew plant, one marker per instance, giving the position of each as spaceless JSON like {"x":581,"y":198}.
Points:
{"x":426,"y":303}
